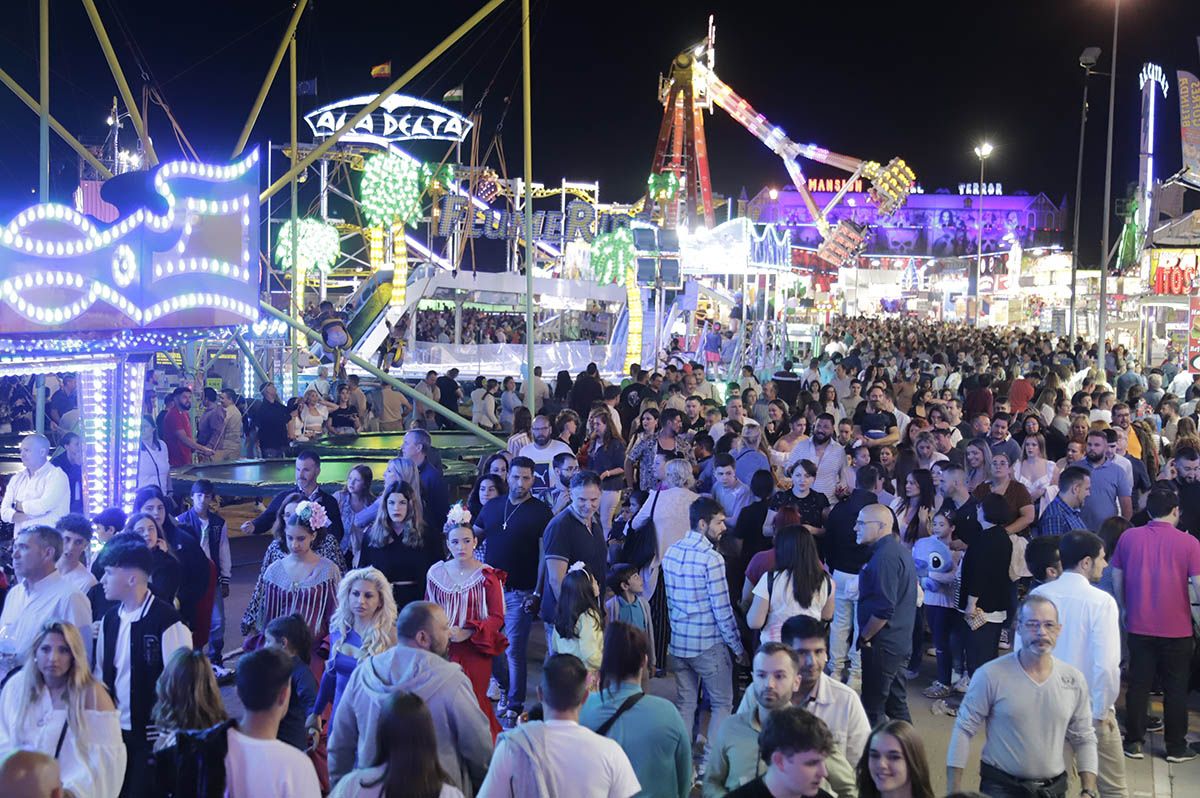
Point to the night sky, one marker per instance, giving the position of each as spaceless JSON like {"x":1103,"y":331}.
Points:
{"x":926,"y":81}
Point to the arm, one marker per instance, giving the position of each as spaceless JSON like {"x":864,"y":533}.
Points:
{"x":266,"y":518}
{"x":1024,"y":519}
{"x":891,"y":439}
{"x":176,"y":636}
{"x":1126,"y":505}
{"x":226,"y":560}
{"x":79,"y":612}
{"x":1104,"y":672}
{"x":718,"y":596}
{"x":471,"y":735}
{"x":556,"y":569}
{"x":756,"y":616}
{"x":972,"y":716}
{"x":717,"y":772}
{"x":827,"y":610}
{"x":499,"y":781}
{"x":7,"y":512}
{"x":343,"y":731}
{"x":184,"y":436}
{"x":1081,"y":734}
{"x":57,"y":484}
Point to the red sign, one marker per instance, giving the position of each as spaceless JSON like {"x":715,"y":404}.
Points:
{"x":1176,"y":280}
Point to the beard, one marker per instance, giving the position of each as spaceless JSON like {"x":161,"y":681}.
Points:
{"x":820,"y":438}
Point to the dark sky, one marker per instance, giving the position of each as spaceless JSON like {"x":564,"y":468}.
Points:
{"x":925,"y":81}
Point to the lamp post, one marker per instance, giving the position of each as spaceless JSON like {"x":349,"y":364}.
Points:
{"x":1087,"y":60}
{"x":1112,"y":98}
{"x":981,"y":152}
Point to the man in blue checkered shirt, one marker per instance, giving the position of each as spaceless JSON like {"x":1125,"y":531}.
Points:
{"x":1063,"y":514}
{"x":703,"y":629}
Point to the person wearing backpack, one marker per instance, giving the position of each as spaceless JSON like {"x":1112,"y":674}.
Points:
{"x":649,"y":729}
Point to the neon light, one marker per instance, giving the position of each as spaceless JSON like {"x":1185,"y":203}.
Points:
{"x":399,"y":118}
{"x":317,"y":243}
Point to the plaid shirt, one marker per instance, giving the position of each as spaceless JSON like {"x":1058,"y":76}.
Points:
{"x":698,"y":598}
{"x":1059,"y":518}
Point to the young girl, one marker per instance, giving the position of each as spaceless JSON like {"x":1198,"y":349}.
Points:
{"x":627,"y":604}
{"x":579,"y":626}
{"x":302,"y":583}
{"x":941,"y":610}
{"x":472,"y":593}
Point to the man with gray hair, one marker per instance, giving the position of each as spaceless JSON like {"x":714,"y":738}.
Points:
{"x":1029,"y":704}
{"x":39,"y":596}
{"x":40,"y":493}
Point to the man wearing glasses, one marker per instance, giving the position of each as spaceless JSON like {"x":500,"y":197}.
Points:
{"x":1029,"y":704}
{"x":887,"y":608}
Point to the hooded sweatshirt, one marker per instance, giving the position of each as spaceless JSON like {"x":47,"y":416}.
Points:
{"x":463,"y":735}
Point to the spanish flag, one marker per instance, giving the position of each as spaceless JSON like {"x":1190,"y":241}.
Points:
{"x":383,"y":70}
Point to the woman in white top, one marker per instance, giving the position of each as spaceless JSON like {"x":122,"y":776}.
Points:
{"x":154,"y":467}
{"x":56,"y":706}
{"x":667,"y":506}
{"x":797,"y":585}
{"x":314,"y":412}
{"x":406,"y":756}
{"x":483,"y":405}
{"x":1037,"y":473}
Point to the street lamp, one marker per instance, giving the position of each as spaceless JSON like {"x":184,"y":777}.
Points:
{"x":1087,"y":59}
{"x":1112,"y":99}
{"x":981,"y":152}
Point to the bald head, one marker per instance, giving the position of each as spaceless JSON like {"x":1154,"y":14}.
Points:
{"x":35,"y":450}
{"x":30,"y":774}
{"x":874,"y":521}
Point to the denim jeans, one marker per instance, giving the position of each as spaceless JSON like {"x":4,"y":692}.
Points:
{"x":1170,"y":659}
{"x":216,"y":638}
{"x":918,"y":640}
{"x":947,"y":638}
{"x":714,"y":668}
{"x":884,"y":686}
{"x":510,"y":668}
{"x":843,"y":632}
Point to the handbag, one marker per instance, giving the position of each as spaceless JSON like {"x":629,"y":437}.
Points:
{"x":641,"y":543}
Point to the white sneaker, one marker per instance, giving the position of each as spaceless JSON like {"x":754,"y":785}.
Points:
{"x":493,"y":691}
{"x":962,"y":684}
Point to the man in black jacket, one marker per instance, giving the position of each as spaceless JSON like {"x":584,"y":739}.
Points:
{"x":308,"y":469}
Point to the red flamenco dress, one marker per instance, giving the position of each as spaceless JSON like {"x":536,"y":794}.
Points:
{"x":477,"y":605}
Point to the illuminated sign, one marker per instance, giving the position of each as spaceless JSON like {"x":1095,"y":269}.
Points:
{"x":972,"y":189}
{"x":399,"y":118}
{"x":580,"y":221}
{"x":1170,"y":271}
{"x":1153,"y":72}
{"x":183,"y":254}
{"x":832,"y":184}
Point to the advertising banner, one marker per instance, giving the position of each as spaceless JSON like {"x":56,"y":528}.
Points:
{"x":1194,"y":335}
{"x":1189,"y":125}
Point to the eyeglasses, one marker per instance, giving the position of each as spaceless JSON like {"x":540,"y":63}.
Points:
{"x":1034,"y":626}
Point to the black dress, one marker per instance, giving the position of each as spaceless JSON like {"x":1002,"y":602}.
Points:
{"x":402,"y":563}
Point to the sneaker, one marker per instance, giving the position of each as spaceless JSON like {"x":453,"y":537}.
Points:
{"x":1182,"y":755}
{"x":493,"y":691}
{"x":1134,"y":751}
{"x":224,"y":676}
{"x":937,"y":690}
{"x":962,"y":684}
{"x":941,"y":707}
{"x":955,"y":676}
{"x":508,"y":718}
{"x":1154,"y":724}
{"x":1004,"y":643}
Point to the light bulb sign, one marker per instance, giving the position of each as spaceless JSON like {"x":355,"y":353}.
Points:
{"x":580,"y":221}
{"x":398,"y":118}
{"x":181,"y":256}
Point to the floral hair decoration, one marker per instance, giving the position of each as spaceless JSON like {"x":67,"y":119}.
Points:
{"x":312,"y":514}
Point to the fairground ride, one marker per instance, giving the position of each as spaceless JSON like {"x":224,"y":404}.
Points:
{"x":680,"y":186}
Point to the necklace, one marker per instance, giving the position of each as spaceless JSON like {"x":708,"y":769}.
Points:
{"x":508,"y":515}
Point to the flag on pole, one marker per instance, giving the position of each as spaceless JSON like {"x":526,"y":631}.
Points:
{"x":307,"y":88}
{"x":455,"y":95}
{"x":383,"y":70}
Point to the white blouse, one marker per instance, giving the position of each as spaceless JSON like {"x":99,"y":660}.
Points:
{"x":92,"y":763}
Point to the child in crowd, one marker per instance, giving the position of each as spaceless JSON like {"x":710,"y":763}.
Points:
{"x":627,"y":605}
{"x":945,"y":619}
{"x":208,"y":527}
{"x":76,"y":532}
{"x":290,"y":634}
{"x":578,"y":625}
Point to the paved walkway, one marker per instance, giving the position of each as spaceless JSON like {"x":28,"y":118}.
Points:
{"x":1152,"y":777}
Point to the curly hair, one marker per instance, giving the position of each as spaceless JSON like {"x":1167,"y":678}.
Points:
{"x":382,"y":635}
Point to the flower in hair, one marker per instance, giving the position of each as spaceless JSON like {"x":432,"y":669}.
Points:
{"x":577,"y":566}
{"x":459,"y":515}
{"x":312,"y":514}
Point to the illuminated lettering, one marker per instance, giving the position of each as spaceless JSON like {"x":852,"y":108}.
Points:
{"x":400,"y":118}
{"x":580,"y":217}
{"x":454,"y":213}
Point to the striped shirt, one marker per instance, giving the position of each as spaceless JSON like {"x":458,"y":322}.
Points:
{"x":698,"y":598}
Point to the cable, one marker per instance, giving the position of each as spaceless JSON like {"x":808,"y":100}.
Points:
{"x":227,"y":45}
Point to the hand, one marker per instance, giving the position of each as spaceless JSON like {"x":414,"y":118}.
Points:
{"x":248,"y":528}
{"x":224,"y":590}
{"x":313,"y":723}
{"x":460,"y":635}
{"x":743,"y":659}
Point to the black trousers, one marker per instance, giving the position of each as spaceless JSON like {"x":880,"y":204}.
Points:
{"x":138,"y":775}
{"x":1170,"y":659}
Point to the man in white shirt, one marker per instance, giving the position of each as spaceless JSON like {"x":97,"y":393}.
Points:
{"x":557,"y":756}
{"x":1091,"y":641}
{"x":824,"y":452}
{"x":541,"y":391}
{"x":256,"y":763}
{"x":137,"y":638}
{"x":733,"y":412}
{"x":40,"y":595}
{"x":38,"y":494}
{"x":76,"y":531}
{"x":542,"y":452}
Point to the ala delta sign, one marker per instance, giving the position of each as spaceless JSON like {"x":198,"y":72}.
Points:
{"x":398,"y":118}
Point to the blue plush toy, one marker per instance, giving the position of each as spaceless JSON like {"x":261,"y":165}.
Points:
{"x":935,"y":566}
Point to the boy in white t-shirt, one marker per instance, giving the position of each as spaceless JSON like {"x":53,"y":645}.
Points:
{"x":256,"y":763}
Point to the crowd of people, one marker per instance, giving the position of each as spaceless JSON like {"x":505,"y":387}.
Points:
{"x":478,"y":326}
{"x":1019,"y":507}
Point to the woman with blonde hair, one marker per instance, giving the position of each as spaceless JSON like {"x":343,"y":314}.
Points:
{"x":978,"y":457}
{"x":750,"y":452}
{"x":363,"y":624}
{"x":56,"y":706}
{"x":398,"y":544}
